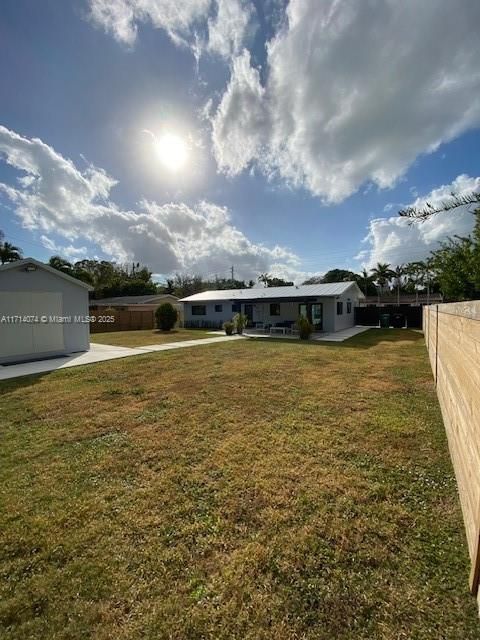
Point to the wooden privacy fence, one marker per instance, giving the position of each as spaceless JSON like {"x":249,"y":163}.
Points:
{"x":452,"y":335}
{"x":123,"y":320}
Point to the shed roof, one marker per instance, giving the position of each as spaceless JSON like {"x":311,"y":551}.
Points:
{"x":46,"y":267}
{"x":269,"y":293}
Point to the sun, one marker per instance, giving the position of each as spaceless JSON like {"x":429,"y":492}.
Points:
{"x":172,"y":151}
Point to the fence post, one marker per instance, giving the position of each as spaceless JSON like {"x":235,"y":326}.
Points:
{"x":475,"y":570}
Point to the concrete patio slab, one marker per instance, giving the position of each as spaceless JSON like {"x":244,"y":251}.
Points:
{"x":98,"y":353}
{"x":341,"y":336}
{"x":338,"y":336}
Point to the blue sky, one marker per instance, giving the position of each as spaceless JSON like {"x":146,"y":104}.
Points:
{"x":304,"y":127}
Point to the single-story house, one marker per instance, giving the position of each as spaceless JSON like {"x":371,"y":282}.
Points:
{"x":329,"y":307}
{"x":134,"y":303}
{"x":43,"y":312}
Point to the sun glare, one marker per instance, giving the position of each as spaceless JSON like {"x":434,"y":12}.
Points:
{"x":172,"y":151}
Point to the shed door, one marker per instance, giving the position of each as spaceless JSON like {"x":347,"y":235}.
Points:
{"x":21,"y":338}
{"x":48,"y":336}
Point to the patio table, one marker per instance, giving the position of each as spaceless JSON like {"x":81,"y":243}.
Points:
{"x":283,"y":330}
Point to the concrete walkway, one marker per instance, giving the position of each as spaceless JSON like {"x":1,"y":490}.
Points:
{"x":99,"y":353}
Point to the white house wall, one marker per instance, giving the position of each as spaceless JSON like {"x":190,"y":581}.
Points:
{"x":345,"y":320}
{"x":261,"y":312}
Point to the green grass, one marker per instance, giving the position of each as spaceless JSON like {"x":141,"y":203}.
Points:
{"x":246,"y":490}
{"x":142,"y":338}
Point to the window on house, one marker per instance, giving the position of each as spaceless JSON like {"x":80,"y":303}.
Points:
{"x":349,"y":307}
{"x":218,"y":308}
{"x":199,"y":310}
{"x":236,"y":307}
{"x":339,"y":308}
{"x":275,"y":309}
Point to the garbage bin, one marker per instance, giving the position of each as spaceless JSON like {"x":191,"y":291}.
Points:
{"x":398,"y":321}
{"x":385,"y":320}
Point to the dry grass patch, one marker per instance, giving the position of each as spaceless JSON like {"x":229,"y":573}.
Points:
{"x":251,"y":489}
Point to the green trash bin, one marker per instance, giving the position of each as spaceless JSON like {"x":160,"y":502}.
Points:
{"x":384,"y":320}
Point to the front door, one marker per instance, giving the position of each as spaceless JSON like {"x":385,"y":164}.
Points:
{"x":314,"y":313}
{"x":249,"y":314}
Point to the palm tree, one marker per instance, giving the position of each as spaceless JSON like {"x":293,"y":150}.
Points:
{"x":399,"y":272}
{"x":414,"y":273}
{"x":382,"y":274}
{"x":9,"y":252}
{"x":265,"y":278}
{"x":59,"y":263}
{"x":364,"y":280}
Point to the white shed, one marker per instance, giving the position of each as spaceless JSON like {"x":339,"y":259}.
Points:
{"x":43,"y":312}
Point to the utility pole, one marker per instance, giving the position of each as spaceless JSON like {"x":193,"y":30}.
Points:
{"x":232,"y":270}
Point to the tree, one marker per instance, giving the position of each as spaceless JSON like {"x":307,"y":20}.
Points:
{"x":456,"y":268}
{"x":9,"y":252}
{"x":339,"y":275}
{"x":264,"y":278}
{"x":272,"y":281}
{"x":382,"y":274}
{"x":365,"y":282}
{"x":59,"y":263}
{"x":399,"y":272}
{"x":313,"y":280}
{"x":166,"y":316}
{"x":427,"y":211}
{"x":456,"y":265}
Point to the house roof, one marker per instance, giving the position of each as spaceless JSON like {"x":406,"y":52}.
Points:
{"x":126,"y":300}
{"x":46,"y":267}
{"x":273,"y":293}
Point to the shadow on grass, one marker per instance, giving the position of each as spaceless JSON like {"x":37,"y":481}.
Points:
{"x":12,"y":384}
{"x":365,"y":340}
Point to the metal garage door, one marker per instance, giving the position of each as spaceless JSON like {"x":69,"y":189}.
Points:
{"x":21,"y":338}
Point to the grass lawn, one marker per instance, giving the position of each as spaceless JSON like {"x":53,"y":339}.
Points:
{"x":246,"y":490}
{"x":145,"y":337}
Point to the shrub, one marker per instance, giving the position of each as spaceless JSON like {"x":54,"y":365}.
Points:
{"x":229,"y":327}
{"x":166,"y":316}
{"x":304,"y":327}
{"x":240,"y":322}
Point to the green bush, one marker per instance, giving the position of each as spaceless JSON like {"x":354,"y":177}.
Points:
{"x":240,"y":322}
{"x":166,"y":316}
{"x":304,"y":327}
{"x":229,"y":327}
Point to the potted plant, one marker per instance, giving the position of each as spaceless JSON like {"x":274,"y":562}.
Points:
{"x":229,"y":327}
{"x":304,"y":327}
{"x":240,"y":322}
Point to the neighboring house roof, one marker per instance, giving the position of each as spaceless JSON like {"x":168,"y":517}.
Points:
{"x":46,"y":267}
{"x":126,"y":300}
{"x":273,"y":293}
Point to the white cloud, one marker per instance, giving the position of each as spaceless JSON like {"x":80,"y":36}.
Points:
{"x":239,"y":126}
{"x":397,"y":241}
{"x":58,"y":198}
{"x":121,"y":17}
{"x":227,"y":31}
{"x":70,"y":252}
{"x":354,"y":91}
{"x":216,"y":26}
